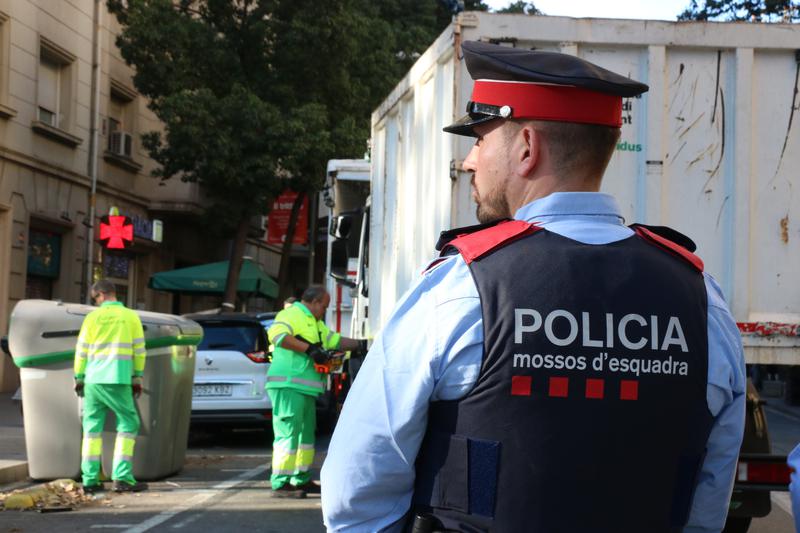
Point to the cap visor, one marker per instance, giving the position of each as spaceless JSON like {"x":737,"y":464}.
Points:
{"x":464,"y":125}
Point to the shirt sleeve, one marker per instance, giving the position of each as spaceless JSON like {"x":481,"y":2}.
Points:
{"x":330,"y":339}
{"x":372,"y":452}
{"x":726,"y":395}
{"x":82,"y":348}
{"x":137,"y":341}
{"x":280,"y":328}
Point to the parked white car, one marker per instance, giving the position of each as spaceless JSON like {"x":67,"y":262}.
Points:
{"x":231,"y":370}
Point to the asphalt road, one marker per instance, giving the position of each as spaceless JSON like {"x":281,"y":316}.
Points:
{"x":224,"y":488}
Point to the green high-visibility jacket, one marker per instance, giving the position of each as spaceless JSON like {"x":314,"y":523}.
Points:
{"x":295,"y":370}
{"x":110,"y":347}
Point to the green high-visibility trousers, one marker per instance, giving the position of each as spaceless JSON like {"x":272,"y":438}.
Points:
{"x":294,"y":419}
{"x":97,"y":400}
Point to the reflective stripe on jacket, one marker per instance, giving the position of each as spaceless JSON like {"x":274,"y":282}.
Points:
{"x":295,"y":370}
{"x":110,"y":346}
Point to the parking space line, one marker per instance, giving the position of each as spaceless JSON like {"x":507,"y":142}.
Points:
{"x":196,"y":500}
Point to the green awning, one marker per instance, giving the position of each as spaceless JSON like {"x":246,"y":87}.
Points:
{"x":210,"y":279}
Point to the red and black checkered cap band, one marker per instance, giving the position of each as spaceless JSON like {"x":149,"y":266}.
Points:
{"x":559,"y":103}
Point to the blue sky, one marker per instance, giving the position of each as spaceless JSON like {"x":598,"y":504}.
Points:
{"x":632,"y":9}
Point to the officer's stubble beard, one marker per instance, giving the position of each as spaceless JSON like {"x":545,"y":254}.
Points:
{"x":494,"y":205}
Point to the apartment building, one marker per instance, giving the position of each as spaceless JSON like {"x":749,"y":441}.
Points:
{"x":46,"y":89}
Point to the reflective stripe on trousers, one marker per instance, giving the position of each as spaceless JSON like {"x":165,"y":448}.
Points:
{"x":92,"y":447}
{"x":299,"y":381}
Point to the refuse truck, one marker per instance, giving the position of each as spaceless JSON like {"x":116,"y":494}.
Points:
{"x":711,"y":150}
{"x":42,"y":338}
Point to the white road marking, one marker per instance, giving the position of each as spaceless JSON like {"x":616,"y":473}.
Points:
{"x":783,"y":414}
{"x":111,"y":526}
{"x":187,"y":521}
{"x":196,"y":500}
{"x":782,"y":500}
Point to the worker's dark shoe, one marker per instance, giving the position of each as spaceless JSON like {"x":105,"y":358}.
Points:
{"x":91,"y":489}
{"x":122,"y":486}
{"x":310,"y":487}
{"x":288,"y":491}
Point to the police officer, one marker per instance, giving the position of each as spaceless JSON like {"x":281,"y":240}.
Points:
{"x":109,"y":365}
{"x":558,"y":372}
{"x":301,"y":339}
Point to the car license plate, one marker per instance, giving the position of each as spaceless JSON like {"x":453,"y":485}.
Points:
{"x":212,"y":390}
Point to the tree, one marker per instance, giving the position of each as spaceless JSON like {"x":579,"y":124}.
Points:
{"x":743,"y":10}
{"x":520,"y":6}
{"x":256,"y":95}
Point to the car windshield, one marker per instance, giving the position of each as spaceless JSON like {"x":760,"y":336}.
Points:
{"x":229,"y":337}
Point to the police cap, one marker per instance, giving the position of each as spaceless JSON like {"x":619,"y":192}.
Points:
{"x":533,"y":84}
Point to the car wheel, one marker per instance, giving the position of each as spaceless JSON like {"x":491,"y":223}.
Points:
{"x":737,"y":524}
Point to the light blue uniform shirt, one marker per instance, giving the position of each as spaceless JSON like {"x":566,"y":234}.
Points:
{"x":431,"y":349}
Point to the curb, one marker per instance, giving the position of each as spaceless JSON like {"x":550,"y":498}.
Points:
{"x":13,"y":471}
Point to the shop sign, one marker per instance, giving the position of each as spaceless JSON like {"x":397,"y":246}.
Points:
{"x":116,"y":231}
{"x":279,"y":215}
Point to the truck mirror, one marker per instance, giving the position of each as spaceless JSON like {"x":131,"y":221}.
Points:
{"x":341,"y":226}
{"x":339,"y":262}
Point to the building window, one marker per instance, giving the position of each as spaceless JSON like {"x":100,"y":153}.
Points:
{"x":55,"y":111}
{"x":5,"y":49}
{"x":120,"y":140}
{"x":49,"y":92}
{"x":121,"y":125}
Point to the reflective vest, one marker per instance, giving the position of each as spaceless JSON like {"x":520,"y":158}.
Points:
{"x":589,"y":413}
{"x":110,"y":348}
{"x":295,"y":370}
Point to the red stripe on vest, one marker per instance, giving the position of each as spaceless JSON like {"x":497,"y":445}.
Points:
{"x":667,"y":244}
{"x":473,"y":246}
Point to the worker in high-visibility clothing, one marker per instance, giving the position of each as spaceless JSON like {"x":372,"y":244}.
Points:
{"x":109,"y":365}
{"x":301,"y":339}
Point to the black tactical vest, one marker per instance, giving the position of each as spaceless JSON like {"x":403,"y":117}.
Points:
{"x":589,"y":413}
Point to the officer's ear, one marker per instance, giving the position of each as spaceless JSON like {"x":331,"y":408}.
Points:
{"x":527,"y":150}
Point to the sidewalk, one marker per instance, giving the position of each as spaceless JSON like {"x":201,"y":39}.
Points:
{"x":13,"y":459}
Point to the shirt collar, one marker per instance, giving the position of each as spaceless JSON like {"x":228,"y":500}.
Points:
{"x":303,"y":308}
{"x":110,"y":303}
{"x":570,"y":204}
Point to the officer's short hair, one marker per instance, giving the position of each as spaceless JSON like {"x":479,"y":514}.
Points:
{"x":314,"y":293}
{"x":578,"y":147}
{"x":104,"y":286}
{"x":571,"y":146}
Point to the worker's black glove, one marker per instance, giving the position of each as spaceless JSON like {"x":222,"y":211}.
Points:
{"x":136,"y":387}
{"x":316,"y":353}
{"x":78,"y":388}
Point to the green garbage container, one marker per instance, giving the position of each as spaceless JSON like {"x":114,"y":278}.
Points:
{"x":42,"y":337}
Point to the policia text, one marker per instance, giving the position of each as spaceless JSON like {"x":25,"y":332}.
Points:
{"x":631,"y":331}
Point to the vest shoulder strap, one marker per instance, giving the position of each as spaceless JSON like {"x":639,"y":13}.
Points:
{"x":448,"y":236}
{"x":671,"y":240}
{"x":478,"y":243}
